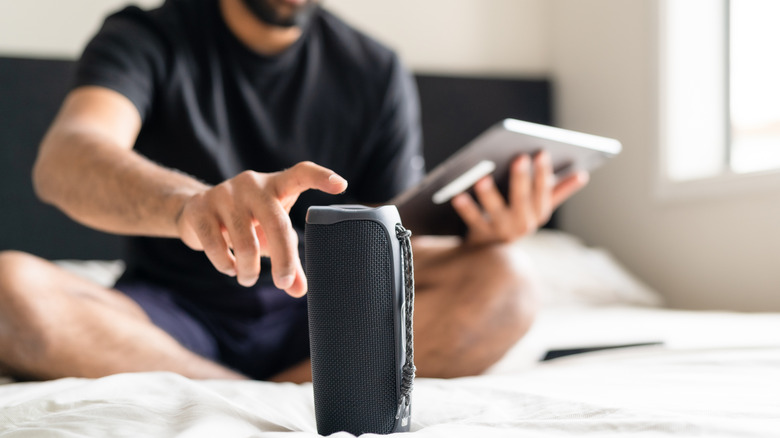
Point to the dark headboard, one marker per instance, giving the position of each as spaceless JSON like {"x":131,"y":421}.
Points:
{"x":454,"y":110}
{"x":457,"y":109}
{"x":31,"y":91}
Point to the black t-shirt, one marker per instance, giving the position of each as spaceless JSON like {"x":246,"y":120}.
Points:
{"x":213,"y":108}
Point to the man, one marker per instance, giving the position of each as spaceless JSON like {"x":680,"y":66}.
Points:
{"x":195,"y":129}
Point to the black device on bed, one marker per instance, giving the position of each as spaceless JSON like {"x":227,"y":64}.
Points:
{"x":426,"y":209}
{"x":563,"y":352}
{"x":360,"y":299}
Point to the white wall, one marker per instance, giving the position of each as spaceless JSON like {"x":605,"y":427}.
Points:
{"x":53,"y":28}
{"x":718,"y":252}
{"x":714,"y":252}
{"x":493,"y":37}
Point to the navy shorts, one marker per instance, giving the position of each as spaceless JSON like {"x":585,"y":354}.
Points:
{"x":258,"y":344}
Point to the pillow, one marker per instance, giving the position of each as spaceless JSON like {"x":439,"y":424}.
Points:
{"x":102,"y":272}
{"x":572,"y":274}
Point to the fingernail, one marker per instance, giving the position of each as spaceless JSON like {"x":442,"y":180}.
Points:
{"x":247,"y":282}
{"x":285,"y":281}
{"x":525,"y":163}
{"x":336,"y":179}
{"x":520,"y":165}
{"x":297,"y":294}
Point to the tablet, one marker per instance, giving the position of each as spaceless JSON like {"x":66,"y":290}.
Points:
{"x":426,"y":210}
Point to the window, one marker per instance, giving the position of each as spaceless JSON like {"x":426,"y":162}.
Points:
{"x":720,"y":87}
{"x":755,"y":84}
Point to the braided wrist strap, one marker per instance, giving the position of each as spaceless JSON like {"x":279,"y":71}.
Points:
{"x":407,"y":381}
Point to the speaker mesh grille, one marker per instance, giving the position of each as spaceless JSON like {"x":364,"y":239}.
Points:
{"x":349,"y":267}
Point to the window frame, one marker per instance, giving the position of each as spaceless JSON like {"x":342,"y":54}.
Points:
{"x":726,"y":182}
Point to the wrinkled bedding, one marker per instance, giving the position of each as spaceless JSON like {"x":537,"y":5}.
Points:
{"x":710,"y":374}
{"x":693,"y":385}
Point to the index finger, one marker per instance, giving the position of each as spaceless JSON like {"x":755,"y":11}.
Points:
{"x":282,"y":244}
{"x":307,"y":175}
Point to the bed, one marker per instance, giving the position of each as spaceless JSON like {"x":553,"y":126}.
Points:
{"x":703,"y":374}
{"x":706,"y":374}
{"x":679,"y":394}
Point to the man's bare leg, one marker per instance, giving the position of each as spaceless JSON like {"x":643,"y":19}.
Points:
{"x":55,"y":324}
{"x":471,"y":306}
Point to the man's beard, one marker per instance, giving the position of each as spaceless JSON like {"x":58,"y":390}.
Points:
{"x":267,"y":12}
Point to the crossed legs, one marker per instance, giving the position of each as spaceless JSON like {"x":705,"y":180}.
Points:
{"x":56,"y":324}
{"x":471,"y":306}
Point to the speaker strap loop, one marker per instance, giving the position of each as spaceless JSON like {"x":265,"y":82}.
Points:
{"x":407,"y":381}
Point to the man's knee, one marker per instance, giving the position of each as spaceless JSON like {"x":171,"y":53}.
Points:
{"x":488,"y":305}
{"x":499,"y":261}
{"x":17,"y":269}
{"x":501,"y":292}
{"x":502,"y":280}
{"x":22,"y":310}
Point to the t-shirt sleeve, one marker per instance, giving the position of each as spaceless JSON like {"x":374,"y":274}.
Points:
{"x":396,"y":162}
{"x":127,"y":55}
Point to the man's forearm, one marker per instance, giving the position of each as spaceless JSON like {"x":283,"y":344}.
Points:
{"x":110,"y":188}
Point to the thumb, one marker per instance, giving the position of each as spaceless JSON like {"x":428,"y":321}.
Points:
{"x":569,"y":186}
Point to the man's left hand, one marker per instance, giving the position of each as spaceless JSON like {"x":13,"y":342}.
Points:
{"x":532,"y":198}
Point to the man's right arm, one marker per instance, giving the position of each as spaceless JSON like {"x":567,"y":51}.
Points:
{"x":87,"y":168}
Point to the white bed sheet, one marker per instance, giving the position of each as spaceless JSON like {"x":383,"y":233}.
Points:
{"x":717,"y":376}
{"x":573,"y":327}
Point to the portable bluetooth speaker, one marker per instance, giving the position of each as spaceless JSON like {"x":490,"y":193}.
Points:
{"x":361,"y":295}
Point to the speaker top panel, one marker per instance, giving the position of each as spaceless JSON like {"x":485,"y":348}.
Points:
{"x":331,"y":214}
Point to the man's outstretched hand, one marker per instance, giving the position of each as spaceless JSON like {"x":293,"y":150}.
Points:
{"x":249,"y":214}
{"x":532,"y":198}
